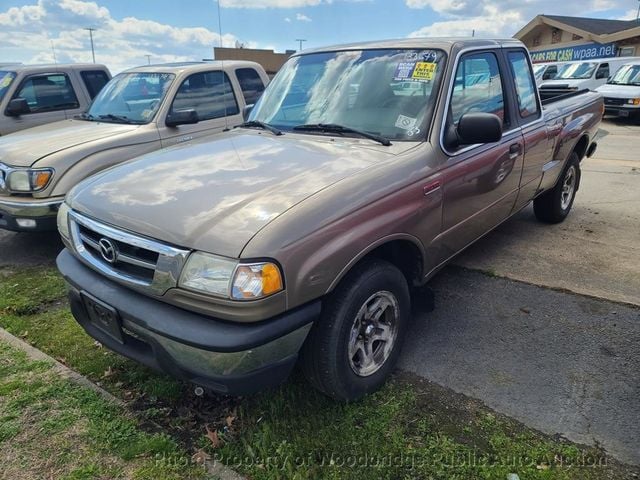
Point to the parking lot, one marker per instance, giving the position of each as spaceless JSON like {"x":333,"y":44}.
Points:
{"x":552,"y":342}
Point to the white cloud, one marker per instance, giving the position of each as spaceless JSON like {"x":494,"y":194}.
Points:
{"x":497,"y":17}
{"x":630,"y":15}
{"x":271,"y":3}
{"x":302,"y":17}
{"x":119,"y":43}
{"x":287,"y":19}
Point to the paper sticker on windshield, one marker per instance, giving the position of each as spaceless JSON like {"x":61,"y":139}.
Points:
{"x":146,"y":113}
{"x":424,"y":71}
{"x":404,"y":71}
{"x":6,"y":81}
{"x":405,"y":123}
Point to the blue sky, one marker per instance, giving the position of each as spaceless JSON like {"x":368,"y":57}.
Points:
{"x":127,"y":30}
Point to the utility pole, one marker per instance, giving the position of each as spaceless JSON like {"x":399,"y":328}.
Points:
{"x":148,"y":59}
{"x":219,"y":23}
{"x":53,"y":50}
{"x":300,"y":40}
{"x":93,"y":52}
{"x":638,"y":14}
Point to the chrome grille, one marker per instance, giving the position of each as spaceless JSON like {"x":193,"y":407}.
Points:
{"x":140,"y":262}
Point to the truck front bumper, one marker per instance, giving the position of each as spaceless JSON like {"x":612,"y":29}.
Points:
{"x":622,"y":111}
{"x":229,"y":358}
{"x":28,"y":215}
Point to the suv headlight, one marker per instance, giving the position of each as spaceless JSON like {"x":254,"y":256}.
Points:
{"x":634,"y":101}
{"x":28,"y":179}
{"x":223,"y":277}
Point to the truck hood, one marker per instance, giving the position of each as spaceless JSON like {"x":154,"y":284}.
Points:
{"x":25,"y":147}
{"x":619,"y":91}
{"x":215,"y":195}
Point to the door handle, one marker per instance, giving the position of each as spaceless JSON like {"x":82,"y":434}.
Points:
{"x":514,"y":151}
{"x":432,"y":188}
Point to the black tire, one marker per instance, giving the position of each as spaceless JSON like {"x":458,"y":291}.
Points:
{"x":554,"y":206}
{"x":325,"y":358}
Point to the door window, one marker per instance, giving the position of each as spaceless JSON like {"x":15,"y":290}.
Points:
{"x":210,"y":94}
{"x":525,"y":85}
{"x":603,"y":71}
{"x":250,"y":83}
{"x":46,"y":93}
{"x":94,"y":81}
{"x":477,"y":87}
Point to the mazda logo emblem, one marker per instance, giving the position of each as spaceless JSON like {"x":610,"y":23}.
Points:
{"x":108,"y":250}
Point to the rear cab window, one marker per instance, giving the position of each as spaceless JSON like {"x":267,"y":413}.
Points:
{"x":525,"y":85}
{"x":48,"y":92}
{"x":210,"y":94}
{"x":251,"y":84}
{"x":94,"y":80}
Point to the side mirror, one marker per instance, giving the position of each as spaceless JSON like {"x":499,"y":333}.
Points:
{"x":182,"y":117}
{"x":246,"y":111}
{"x":478,"y":128}
{"x":17,"y":107}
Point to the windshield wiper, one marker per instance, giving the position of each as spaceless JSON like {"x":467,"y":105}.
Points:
{"x":335,"y":128}
{"x":86,"y":116}
{"x":262,"y":125}
{"x":115,"y":118}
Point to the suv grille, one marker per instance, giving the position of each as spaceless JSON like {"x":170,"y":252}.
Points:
{"x":613,"y":101}
{"x":130,"y":259}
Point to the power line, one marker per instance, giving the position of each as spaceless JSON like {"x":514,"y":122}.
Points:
{"x":93,"y":52}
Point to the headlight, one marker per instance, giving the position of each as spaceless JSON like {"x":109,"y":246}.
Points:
{"x":223,"y":277}
{"x":63,"y":220}
{"x":29,"y":180}
{"x":634,"y":101}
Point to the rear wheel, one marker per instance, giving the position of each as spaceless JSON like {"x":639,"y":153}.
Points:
{"x":554,"y":206}
{"x":354,"y":346}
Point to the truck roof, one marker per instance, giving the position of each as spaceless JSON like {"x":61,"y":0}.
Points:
{"x":444,"y":43}
{"x":192,"y":66}
{"x":53,"y":67}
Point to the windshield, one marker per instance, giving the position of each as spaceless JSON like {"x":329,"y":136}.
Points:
{"x":575,"y":71}
{"x":538,"y":70}
{"x":5,"y":82}
{"x":627,"y":75}
{"x":390,"y":93}
{"x":130,"y":98}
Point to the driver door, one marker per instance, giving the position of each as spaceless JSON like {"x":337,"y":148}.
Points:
{"x":211,"y":94}
{"x":480,"y":182}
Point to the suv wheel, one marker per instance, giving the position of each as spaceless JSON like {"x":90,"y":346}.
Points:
{"x":554,"y":206}
{"x":355,"y":345}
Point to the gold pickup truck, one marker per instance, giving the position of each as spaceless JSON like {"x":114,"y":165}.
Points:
{"x":139,"y":111}
{"x":361,"y":171}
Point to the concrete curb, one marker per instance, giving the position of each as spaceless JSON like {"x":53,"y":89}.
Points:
{"x":217,"y":470}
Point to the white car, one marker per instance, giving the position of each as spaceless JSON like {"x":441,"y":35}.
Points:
{"x":622,"y":92}
{"x":585,"y":75}
{"x":545,"y":71}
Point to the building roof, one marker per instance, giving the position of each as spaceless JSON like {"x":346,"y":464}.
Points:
{"x":599,"y":26}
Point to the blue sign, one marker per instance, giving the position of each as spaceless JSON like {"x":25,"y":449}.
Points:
{"x":591,"y":51}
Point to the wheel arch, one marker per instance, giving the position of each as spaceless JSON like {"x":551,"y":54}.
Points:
{"x":402,"y":250}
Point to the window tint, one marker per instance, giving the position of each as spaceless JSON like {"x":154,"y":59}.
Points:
{"x":525,"y":86}
{"x":48,"y":92}
{"x":603,"y":71}
{"x":209,"y":93}
{"x":550,"y":73}
{"x":94,"y":81}
{"x":477,"y":87}
{"x":250,"y":83}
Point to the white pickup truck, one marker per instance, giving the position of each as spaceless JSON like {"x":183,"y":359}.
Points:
{"x":32,"y":95}
{"x":139,"y":111}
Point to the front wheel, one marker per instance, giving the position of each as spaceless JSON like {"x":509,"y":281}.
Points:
{"x":554,"y":206}
{"x":354,"y":346}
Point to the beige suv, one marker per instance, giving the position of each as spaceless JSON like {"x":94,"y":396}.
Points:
{"x":139,"y":111}
{"x":32,"y":95}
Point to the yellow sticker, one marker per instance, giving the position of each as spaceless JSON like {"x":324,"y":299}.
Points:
{"x":424,"y":71}
{"x":146,"y":113}
{"x":6,"y":81}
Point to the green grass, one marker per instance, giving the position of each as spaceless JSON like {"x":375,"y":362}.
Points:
{"x":410,"y":429}
{"x":53,"y":428}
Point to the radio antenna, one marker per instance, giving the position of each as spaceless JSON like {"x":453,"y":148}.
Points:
{"x":224,"y":74}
